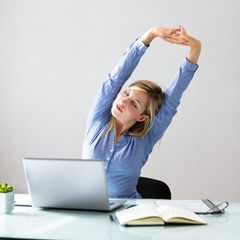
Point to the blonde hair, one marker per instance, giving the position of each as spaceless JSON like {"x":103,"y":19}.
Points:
{"x":155,"y":97}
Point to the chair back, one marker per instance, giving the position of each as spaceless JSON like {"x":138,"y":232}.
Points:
{"x":152,"y":188}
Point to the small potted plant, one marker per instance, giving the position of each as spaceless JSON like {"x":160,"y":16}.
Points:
{"x":6,"y":198}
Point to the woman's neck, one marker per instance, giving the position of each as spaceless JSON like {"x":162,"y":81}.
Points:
{"x":119,"y":128}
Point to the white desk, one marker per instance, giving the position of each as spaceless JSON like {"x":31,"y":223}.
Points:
{"x":34,"y":223}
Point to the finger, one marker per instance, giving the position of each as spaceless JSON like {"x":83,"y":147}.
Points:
{"x":171,"y":31}
{"x":168,"y":33}
{"x":176,"y":30}
{"x":182,"y":40}
{"x":172,"y":41}
{"x":178,"y":39}
{"x":184,"y":33}
{"x":182,"y":29}
{"x":177,"y":33}
{"x":183,"y":44}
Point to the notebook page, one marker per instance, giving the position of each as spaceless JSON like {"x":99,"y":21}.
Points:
{"x":22,"y":200}
{"x":196,"y":206}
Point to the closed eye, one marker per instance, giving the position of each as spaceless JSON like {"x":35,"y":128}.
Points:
{"x":134,"y":104}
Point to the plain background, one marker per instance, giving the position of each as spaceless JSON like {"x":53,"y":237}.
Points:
{"x":54,"y":56}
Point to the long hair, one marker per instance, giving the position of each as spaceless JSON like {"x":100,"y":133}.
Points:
{"x":155,"y":97}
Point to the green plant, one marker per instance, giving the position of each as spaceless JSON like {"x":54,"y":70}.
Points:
{"x":5,"y":188}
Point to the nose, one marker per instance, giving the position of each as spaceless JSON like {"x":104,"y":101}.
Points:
{"x":123,"y":101}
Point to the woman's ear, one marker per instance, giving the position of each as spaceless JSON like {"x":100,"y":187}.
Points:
{"x":142,"y":118}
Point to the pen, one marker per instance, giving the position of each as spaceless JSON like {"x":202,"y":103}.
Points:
{"x":111,"y":218}
{"x":130,"y":206}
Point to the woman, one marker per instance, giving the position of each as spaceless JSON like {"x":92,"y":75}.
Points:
{"x":123,"y":129}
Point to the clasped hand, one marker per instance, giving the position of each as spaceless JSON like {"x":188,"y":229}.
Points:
{"x":175,"y":35}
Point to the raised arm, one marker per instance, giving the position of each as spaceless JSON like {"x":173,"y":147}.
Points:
{"x":194,"y":44}
{"x":181,"y":80}
{"x":175,"y":35}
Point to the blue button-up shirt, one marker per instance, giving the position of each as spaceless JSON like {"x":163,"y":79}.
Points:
{"x":123,"y":161}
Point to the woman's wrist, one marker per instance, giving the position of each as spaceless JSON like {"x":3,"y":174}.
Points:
{"x":194,"y":53}
{"x":197,"y":45}
{"x":148,"y":36}
{"x":155,"y":31}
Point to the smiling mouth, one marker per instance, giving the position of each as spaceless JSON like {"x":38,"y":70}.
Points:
{"x":118,"y":108}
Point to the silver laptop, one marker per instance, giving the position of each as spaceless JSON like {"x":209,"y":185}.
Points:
{"x":68,"y":184}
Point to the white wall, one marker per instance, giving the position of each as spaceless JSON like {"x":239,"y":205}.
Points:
{"x":54,"y":56}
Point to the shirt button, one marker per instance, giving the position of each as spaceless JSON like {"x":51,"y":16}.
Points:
{"x":107,"y":158}
{"x":111,"y":150}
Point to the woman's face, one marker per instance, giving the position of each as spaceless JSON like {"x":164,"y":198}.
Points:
{"x":129,"y":106}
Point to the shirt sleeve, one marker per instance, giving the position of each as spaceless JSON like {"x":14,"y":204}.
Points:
{"x":171,"y":100}
{"x":101,"y":107}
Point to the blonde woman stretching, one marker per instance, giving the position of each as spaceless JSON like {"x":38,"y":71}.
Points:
{"x":123,"y":128}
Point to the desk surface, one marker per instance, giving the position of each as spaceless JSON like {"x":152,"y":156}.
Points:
{"x":34,"y":223}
